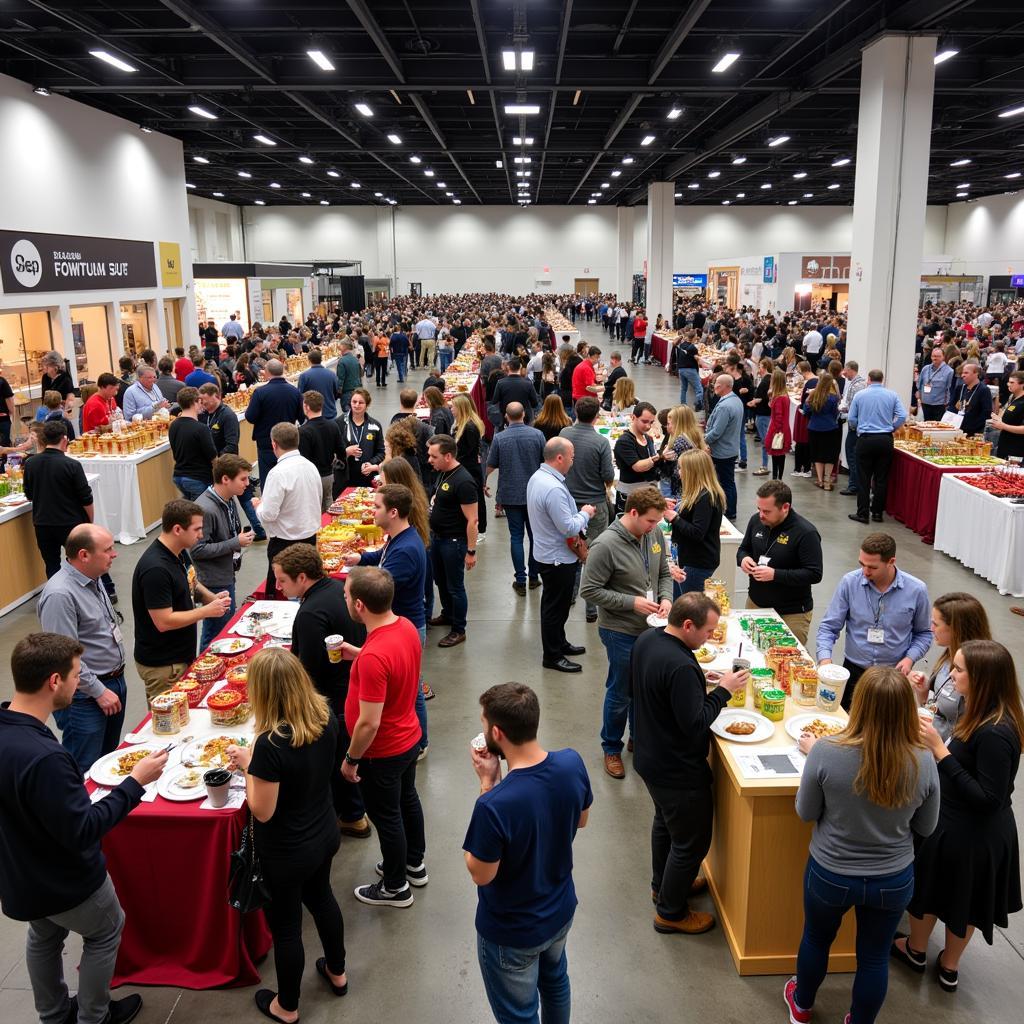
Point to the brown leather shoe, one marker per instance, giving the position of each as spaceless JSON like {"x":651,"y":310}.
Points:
{"x":453,"y":639}
{"x":357,"y":829}
{"x":614,"y":767}
{"x":695,"y":922}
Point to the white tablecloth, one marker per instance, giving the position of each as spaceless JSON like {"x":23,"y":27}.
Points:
{"x":983,"y":532}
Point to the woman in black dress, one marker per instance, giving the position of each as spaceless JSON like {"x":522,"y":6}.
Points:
{"x":288,"y":787}
{"x":967,"y":873}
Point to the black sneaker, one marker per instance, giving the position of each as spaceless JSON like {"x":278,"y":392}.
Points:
{"x":377,"y":895}
{"x":123,"y":1010}
{"x":414,"y":876}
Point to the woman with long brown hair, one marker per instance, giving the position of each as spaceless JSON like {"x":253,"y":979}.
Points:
{"x":442,"y":420}
{"x":823,"y":429}
{"x":967,"y":873}
{"x":778,"y":437}
{"x":552,"y":420}
{"x":868,"y":790}
{"x":288,"y":773}
{"x":401,"y":440}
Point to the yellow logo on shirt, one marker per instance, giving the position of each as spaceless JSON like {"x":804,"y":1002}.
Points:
{"x":1010,"y":408}
{"x":783,"y":538}
{"x":655,"y":549}
{"x":369,"y":437}
{"x":444,"y":487}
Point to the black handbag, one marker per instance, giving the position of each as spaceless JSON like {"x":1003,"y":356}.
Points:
{"x":246,"y":888}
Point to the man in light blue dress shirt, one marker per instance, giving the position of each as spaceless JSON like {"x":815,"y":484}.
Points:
{"x":143,"y":398}
{"x":875,"y":413}
{"x":935,"y":385}
{"x":555,"y":520}
{"x":885,"y":612}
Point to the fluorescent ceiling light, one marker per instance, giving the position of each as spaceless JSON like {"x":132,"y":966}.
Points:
{"x":508,"y":59}
{"x":841,"y":162}
{"x":966,"y":184}
{"x":522,"y":108}
{"x":674,"y":113}
{"x":605,"y":184}
{"x":519,"y":140}
{"x":523,"y":160}
{"x":305,"y":159}
{"x":694,"y":184}
{"x":428,"y":173}
{"x":961,"y":195}
{"x":737,"y":160}
{"x":244,"y":174}
{"x":202,"y":112}
{"x":522,"y":174}
{"x":943,"y":55}
{"x":355,"y":184}
{"x":457,"y":202}
{"x":378,"y":194}
{"x":219,"y":195}
{"x":725,"y":62}
{"x":678,"y":195}
{"x":306,"y":195}
{"x":646,"y":140}
{"x":963,"y":162}
{"x":627,"y":159}
{"x":808,"y":195}
{"x":320,"y":59}
{"x":364,"y":109}
{"x":1015,"y":174}
{"x":591,"y":202}
{"x":792,"y":202}
{"x":188,"y":184}
{"x":615,"y":174}
{"x":114,"y":62}
{"x":415,"y":160}
{"x":767,"y":184}
{"x":725,"y":202}
{"x":833,"y":186}
{"x":714,"y":174}
{"x":260,"y":202}
{"x":526,"y":60}
{"x":449,"y":194}
{"x":264,"y":140}
{"x":778,"y":140}
{"x":200,"y":159}
{"x":332,"y":173}
{"x":1012,"y":113}
{"x":441,"y":184}
{"x":275,"y":184}
{"x":741,"y":195}
{"x":499,"y":164}
{"x":324,"y":202}
{"x":394,"y":139}
{"x":800,"y":174}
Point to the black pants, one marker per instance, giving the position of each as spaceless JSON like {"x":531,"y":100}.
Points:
{"x":476,"y":472}
{"x":347,"y":797}
{"x":637,"y":352}
{"x":778,"y":466}
{"x":293,"y":884}
{"x":801,"y":456}
{"x":874,"y":457}
{"x":388,"y":786}
{"x":275,"y":545}
{"x":680,"y":840}
{"x":856,"y":671}
{"x":381,"y":365}
{"x":50,"y":540}
{"x":932,"y":413}
{"x":554,"y":606}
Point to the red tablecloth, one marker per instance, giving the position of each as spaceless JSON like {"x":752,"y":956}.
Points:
{"x":660,"y":349}
{"x":913,"y":494}
{"x":169,"y":862}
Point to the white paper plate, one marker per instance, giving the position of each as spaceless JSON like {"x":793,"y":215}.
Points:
{"x":103,"y":771}
{"x":765,"y":730}
{"x":796,"y":724}
{"x":230,"y":645}
{"x":194,"y":750}
{"x":655,"y":620}
{"x":167,"y":785}
{"x":713,"y":649}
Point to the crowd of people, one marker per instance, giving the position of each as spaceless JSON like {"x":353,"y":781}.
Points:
{"x":632,"y":529}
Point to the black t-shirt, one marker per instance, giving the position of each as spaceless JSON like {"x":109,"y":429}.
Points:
{"x":610,"y":381}
{"x":686,"y":356}
{"x":628,"y":451}
{"x":454,"y":489}
{"x":320,"y":441}
{"x":162,"y":580}
{"x":763,"y":407}
{"x":5,"y":393}
{"x":1011,"y":445}
{"x":193,"y":449}
{"x":62,"y":384}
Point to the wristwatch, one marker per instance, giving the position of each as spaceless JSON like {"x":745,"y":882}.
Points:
{"x":349,"y":759}
{"x":471,"y":551}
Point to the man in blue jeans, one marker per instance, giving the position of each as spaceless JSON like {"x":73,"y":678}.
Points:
{"x":627,"y":576}
{"x":518,"y":850}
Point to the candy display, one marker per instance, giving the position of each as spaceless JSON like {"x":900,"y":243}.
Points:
{"x":1003,"y":483}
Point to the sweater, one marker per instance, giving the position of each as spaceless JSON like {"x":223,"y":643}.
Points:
{"x":405,"y":558}
{"x":213,"y":556}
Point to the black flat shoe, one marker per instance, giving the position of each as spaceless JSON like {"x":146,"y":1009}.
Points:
{"x":264,"y":997}
{"x":321,"y":969}
{"x":948,"y":980}
{"x":564,"y":665}
{"x":856,"y":518}
{"x":573,"y":649}
{"x":914,"y":960}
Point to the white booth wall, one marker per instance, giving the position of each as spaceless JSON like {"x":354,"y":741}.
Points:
{"x":986,"y":236}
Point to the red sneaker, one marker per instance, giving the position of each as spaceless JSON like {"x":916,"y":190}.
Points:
{"x":796,"y":1015}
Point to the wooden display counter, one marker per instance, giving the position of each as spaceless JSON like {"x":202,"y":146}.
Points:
{"x":24,"y":574}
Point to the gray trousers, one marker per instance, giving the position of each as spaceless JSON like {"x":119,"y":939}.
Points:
{"x":326,"y":499}
{"x":99,"y":920}
{"x":597,"y":525}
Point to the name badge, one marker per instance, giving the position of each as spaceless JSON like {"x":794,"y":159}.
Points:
{"x":764,"y":560}
{"x":927,"y":389}
{"x":876,"y":636}
{"x":650,"y":595}
{"x":117,"y":635}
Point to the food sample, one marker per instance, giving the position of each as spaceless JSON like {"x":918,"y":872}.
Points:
{"x":189,"y":779}
{"x":741,"y":727}
{"x":705,"y":654}
{"x":819,"y":728}
{"x":215,"y":752}
{"x":208,"y":668}
{"x":169,"y":713}
{"x":228,"y":707}
{"x":127,"y":761}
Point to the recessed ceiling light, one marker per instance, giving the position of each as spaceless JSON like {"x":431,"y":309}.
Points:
{"x":1015,"y":174}
{"x":725,"y":62}
{"x":457,"y":202}
{"x":114,"y":62}
{"x":616,"y":174}
{"x":605,"y":184}
{"x":1012,"y":113}
{"x":808,"y":195}
{"x":966,"y":184}
{"x":219,"y":195}
{"x":324,"y":202}
{"x":778,"y":140}
{"x":833,"y":186}
{"x":725,"y":202}
{"x":767,"y":184}
{"x":595,"y":195}
{"x":792,"y":202}
{"x":499,"y":164}
{"x":428,"y":173}
{"x":415,"y":160}
{"x":244,"y":174}
{"x":714,"y":174}
{"x":332,"y":173}
{"x":306,"y":195}
{"x":694,"y":184}
{"x":741,"y":195}
{"x":449,"y":194}
{"x":800,"y":174}
{"x":265,"y":140}
{"x":364,"y":109}
{"x":41,"y":90}
{"x":441,"y":184}
{"x":508,"y":59}
{"x":188,"y":184}
{"x":841,"y":162}
{"x":260,"y":202}
{"x":963,"y":161}
{"x":378,"y":194}
{"x":305,"y":159}
{"x":591,"y":202}
{"x":202,"y":112}
{"x":200,"y":159}
{"x":320,"y":59}
{"x":522,"y":109}
{"x":522,"y":174}
{"x":737,"y":160}
{"x":678,"y":195}
{"x":943,"y":55}
{"x":627,"y":159}
{"x":142,"y":127}
{"x":674,"y":113}
{"x":646,"y":140}
{"x":523,"y":159}
{"x":961,"y":195}
{"x":520,"y":140}
{"x":355,"y":184}
{"x":275,"y":184}
{"x":395,"y":140}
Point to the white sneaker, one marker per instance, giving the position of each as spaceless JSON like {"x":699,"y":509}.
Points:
{"x":481,"y":537}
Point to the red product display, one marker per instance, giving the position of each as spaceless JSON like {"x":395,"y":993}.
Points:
{"x":998,"y":484}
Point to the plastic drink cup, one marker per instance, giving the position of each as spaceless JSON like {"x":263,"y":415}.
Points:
{"x":334,"y":644}
{"x":218,"y":781}
{"x":926,"y":715}
{"x":832,"y":681}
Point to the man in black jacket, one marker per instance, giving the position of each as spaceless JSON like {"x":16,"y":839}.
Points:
{"x":516,"y":387}
{"x":52,"y":870}
{"x":275,"y":402}
{"x":321,"y":442}
{"x":61,"y":496}
{"x":781,"y":553}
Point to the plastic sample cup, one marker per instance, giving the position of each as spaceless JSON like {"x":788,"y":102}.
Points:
{"x":832,"y":681}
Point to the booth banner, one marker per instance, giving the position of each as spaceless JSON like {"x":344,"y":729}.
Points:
{"x":34,"y":262}
{"x":1017,"y":281}
{"x":770,"y":271}
{"x":825,"y":268}
{"x":170,"y":264}
{"x":690,"y":281}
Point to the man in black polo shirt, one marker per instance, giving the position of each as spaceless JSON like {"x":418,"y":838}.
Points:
{"x":52,"y":870}
{"x":636,"y":455}
{"x":192,"y":447}
{"x":61,"y":496}
{"x":516,"y":387}
{"x":453,"y":533}
{"x":321,"y":441}
{"x":164,"y":591}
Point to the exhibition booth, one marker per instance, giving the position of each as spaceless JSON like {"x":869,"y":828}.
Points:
{"x":255,"y":292}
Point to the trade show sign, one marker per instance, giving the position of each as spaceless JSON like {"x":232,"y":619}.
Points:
{"x":34,"y":262}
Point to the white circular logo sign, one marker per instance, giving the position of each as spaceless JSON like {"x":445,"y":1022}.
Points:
{"x":26,"y":263}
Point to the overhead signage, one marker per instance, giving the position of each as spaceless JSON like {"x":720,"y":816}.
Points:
{"x":689,"y":280}
{"x":170,"y":264}
{"x":825,"y":268}
{"x":31,"y":261}
{"x":768,"y":276}
{"x":1017,"y":281}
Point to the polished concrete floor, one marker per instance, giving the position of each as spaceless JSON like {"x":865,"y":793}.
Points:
{"x":420,"y":964}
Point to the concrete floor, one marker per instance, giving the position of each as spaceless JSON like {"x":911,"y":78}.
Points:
{"x":420,"y":964}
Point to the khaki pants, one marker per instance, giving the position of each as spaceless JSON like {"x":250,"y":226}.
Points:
{"x":799,"y":623}
{"x":160,"y":679}
{"x":427,"y":352}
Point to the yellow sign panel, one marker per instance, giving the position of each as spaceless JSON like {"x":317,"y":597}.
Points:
{"x":170,"y":264}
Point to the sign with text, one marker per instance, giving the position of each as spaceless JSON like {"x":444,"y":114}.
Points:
{"x":768,"y":276}
{"x":34,"y":262}
{"x":825,"y":268}
{"x":689,"y":280}
{"x":1017,"y":281}
{"x":170,"y":264}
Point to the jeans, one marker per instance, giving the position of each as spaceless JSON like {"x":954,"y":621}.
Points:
{"x":725,"y":471}
{"x":295,"y":883}
{"x":879,"y":903}
{"x":401,"y":361}
{"x":518,"y":522}
{"x":618,"y":707}
{"x":554,"y":606}
{"x":99,"y":920}
{"x":743,"y":442}
{"x":389,"y":789}
{"x":761,"y":426}
{"x":694,"y":582}
{"x":680,"y":840}
{"x":690,"y":379}
{"x":250,"y":513}
{"x":189,"y":487}
{"x":851,"y":458}
{"x":421,"y":701}
{"x":86,"y":732}
{"x":444,"y":358}
{"x":211,"y":627}
{"x":448,"y":557}
{"x":266,"y":460}
{"x":517,"y":980}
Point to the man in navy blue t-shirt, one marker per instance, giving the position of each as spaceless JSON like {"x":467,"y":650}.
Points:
{"x":519,"y":852}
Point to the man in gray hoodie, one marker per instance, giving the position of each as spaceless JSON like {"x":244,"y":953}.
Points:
{"x":627,"y":576}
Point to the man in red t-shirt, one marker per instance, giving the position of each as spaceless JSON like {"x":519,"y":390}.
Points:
{"x":385,"y":743}
{"x":639,"y":336}
{"x":183,"y":366}
{"x":96,"y":411}
{"x":584,"y":377}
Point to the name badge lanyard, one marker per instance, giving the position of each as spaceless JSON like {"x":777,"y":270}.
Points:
{"x":876,"y":635}
{"x":645,"y":558}
{"x":359,"y":432}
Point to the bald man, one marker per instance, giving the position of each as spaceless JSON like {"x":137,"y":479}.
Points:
{"x":722,"y":433}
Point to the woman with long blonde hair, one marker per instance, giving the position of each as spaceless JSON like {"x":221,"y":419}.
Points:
{"x":288,"y":771}
{"x":469,"y":434}
{"x":398,"y":471}
{"x":823,"y":429}
{"x":682,"y":434}
{"x":868,"y":790}
{"x":624,"y":395}
{"x":697,"y":520}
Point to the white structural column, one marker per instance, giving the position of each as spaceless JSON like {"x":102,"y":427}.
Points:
{"x":625,"y":268}
{"x":661,"y":212}
{"x":889,"y":206}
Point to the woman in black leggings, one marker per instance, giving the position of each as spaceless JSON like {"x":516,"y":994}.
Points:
{"x":288,"y":786}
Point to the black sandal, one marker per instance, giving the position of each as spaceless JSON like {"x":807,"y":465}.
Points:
{"x":916,"y":961}
{"x":948,"y":980}
{"x":321,"y":969}
{"x":264,"y":997}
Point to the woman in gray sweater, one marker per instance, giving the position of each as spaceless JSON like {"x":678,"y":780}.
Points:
{"x":868,"y":790}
